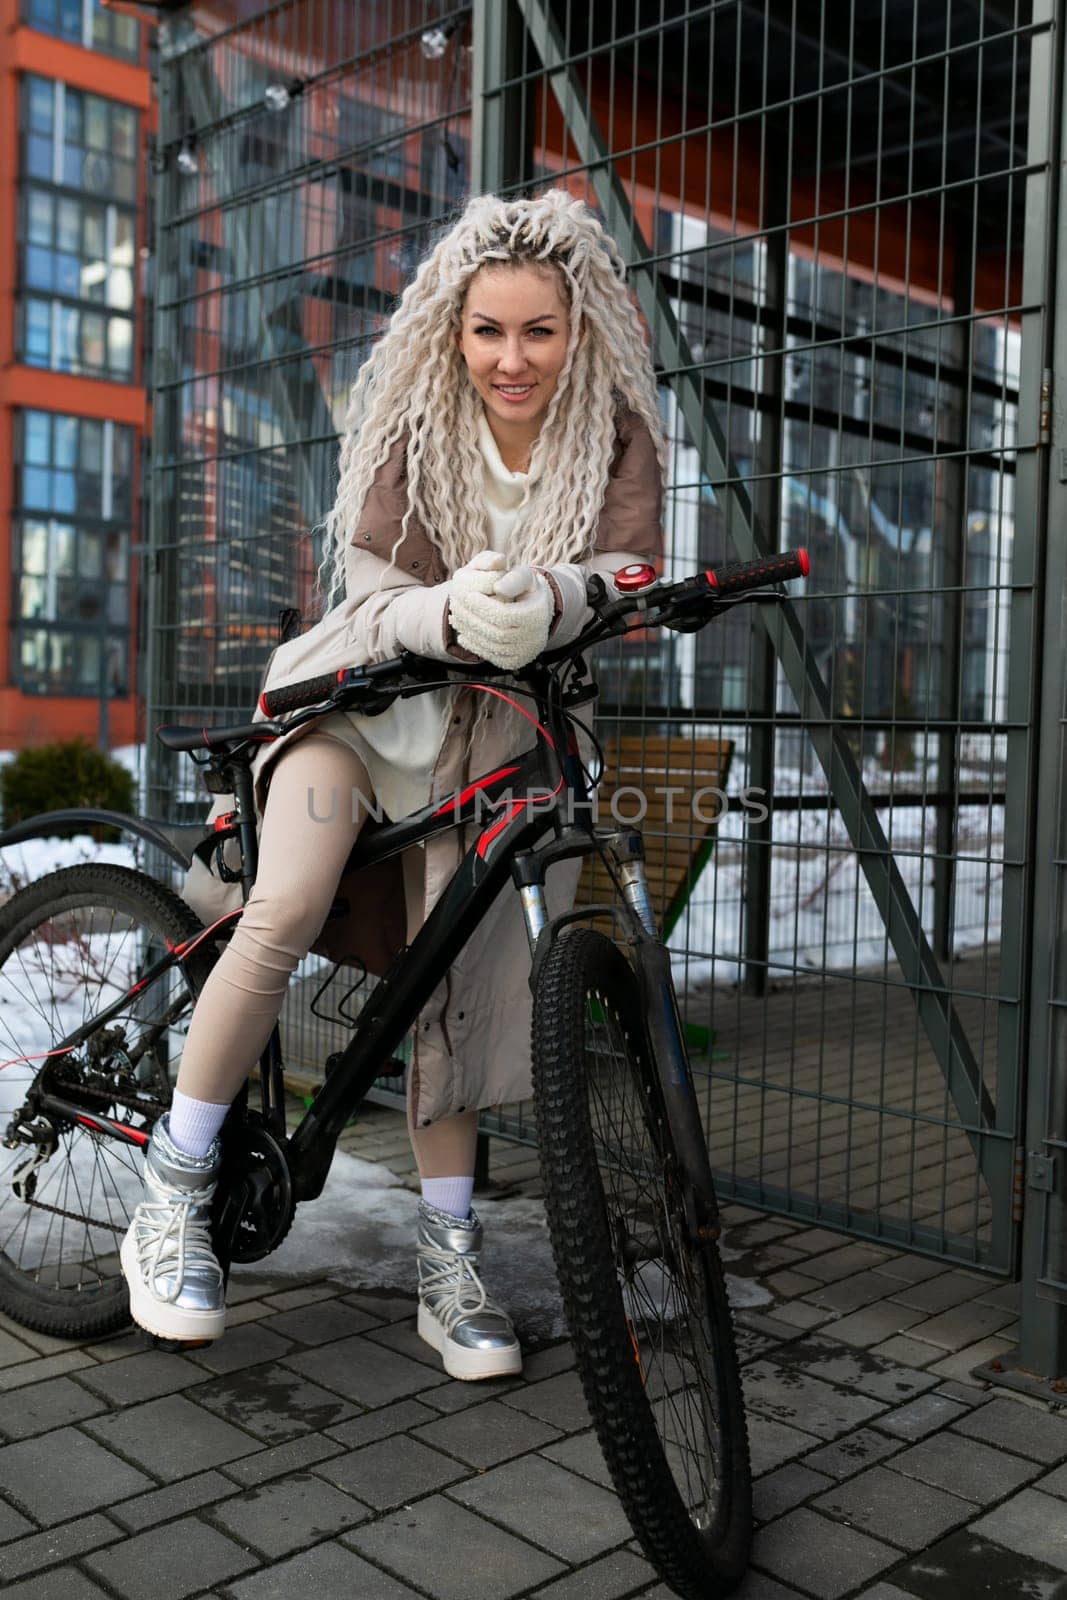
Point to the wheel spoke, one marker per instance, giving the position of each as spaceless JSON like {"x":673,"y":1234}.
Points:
{"x":71,"y":946}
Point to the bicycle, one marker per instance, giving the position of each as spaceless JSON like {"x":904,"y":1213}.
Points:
{"x":629,"y":1197}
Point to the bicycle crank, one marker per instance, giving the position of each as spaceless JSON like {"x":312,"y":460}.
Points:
{"x":255,"y":1205}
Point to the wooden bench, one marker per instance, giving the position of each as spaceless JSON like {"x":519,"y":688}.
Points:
{"x":661,"y":775}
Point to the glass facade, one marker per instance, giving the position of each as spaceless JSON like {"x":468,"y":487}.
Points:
{"x":78,"y":231}
{"x":872,"y":390}
{"x":280,"y":289}
{"x":70,"y":551}
{"x":85,"y":22}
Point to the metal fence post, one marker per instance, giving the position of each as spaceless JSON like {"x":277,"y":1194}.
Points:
{"x":763,"y":668}
{"x":501,"y":146}
{"x":160,"y":568}
{"x":1041,"y":1360}
{"x":500,"y":120}
{"x":957,"y":502}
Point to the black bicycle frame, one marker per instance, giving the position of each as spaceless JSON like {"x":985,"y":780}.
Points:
{"x":524,"y":799}
{"x":507,"y":847}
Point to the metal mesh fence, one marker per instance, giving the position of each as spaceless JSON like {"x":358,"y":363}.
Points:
{"x":837,"y":219}
{"x":304,"y":154}
{"x":824,"y":215}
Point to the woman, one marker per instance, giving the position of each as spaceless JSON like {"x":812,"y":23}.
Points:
{"x":502,"y":442}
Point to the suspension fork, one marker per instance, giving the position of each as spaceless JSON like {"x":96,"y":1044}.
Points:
{"x":627,"y":850}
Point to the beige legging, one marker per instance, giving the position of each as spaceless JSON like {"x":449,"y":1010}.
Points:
{"x":306,"y":835}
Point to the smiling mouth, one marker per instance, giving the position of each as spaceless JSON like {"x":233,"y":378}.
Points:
{"x":514,"y":389}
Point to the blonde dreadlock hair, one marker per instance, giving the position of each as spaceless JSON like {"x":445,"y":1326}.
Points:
{"x":415,"y":383}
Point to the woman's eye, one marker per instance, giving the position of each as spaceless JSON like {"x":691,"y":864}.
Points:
{"x":546,"y":331}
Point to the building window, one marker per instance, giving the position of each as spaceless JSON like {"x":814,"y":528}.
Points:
{"x":79,"y":140}
{"x":71,"y":554}
{"x":78,"y":248}
{"x":85,"y":22}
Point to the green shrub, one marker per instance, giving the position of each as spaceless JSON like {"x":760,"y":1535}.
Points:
{"x":70,"y":772}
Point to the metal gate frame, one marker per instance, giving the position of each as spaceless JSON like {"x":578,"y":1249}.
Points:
{"x":1029,"y":914}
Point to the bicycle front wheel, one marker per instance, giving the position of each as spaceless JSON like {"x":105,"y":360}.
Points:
{"x":646,"y":1303}
{"x":71,"y":945}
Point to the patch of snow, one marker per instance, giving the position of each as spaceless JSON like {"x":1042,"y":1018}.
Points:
{"x":25,"y":863}
{"x":361,"y":1231}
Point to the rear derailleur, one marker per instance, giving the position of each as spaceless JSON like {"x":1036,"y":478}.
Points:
{"x":40,"y":1133}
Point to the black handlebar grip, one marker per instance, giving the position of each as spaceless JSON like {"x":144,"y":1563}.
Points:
{"x":741,"y":575}
{"x":275,"y":702}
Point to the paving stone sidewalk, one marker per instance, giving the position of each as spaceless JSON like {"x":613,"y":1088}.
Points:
{"x":317,"y":1450}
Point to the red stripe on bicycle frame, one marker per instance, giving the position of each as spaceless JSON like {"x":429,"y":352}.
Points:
{"x":105,"y":1125}
{"x":487,"y":838}
{"x":187,"y":946}
{"x":516,"y":806}
{"x":472,"y":788}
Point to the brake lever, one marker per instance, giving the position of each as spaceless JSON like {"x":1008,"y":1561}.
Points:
{"x":375,"y":710}
{"x":682,"y":624}
{"x":679,"y":618}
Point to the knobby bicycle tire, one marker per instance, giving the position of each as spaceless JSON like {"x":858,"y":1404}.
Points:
{"x":51,"y":1297}
{"x":604,"y":1237}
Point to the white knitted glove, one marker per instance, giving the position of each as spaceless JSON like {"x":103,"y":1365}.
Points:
{"x":508,"y":623}
{"x":480,"y":574}
{"x":514,"y":584}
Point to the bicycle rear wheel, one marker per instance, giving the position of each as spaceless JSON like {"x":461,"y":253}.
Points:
{"x":70,"y":945}
{"x":646,"y":1304}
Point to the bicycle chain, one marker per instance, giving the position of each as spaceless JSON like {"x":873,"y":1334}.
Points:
{"x":73,"y":1216}
{"x":114,"y":1097}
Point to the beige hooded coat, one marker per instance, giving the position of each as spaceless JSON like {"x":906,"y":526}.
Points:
{"x":471,"y":1045}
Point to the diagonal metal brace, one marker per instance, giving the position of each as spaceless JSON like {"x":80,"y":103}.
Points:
{"x":918,"y":963}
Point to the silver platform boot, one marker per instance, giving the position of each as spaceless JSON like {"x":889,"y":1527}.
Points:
{"x":177,"y":1289}
{"x":473,"y":1335}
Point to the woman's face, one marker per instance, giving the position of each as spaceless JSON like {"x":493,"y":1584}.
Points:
{"x":514,"y":340}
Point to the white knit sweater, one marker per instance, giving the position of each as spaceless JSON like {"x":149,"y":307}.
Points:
{"x":400,"y":746}
{"x":503,"y":489}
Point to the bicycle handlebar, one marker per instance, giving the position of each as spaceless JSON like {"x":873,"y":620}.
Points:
{"x":741,"y":575}
{"x":275,"y":702}
{"x":685,"y":605}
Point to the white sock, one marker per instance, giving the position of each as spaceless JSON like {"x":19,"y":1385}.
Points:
{"x":449,"y":1194}
{"x":194,"y":1123}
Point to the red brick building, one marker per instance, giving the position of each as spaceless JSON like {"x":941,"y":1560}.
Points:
{"x":75,"y":110}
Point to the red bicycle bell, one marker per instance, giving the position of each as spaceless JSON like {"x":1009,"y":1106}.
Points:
{"x":639,"y":575}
